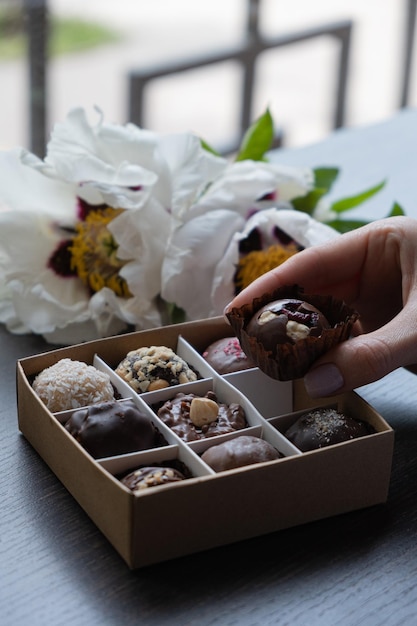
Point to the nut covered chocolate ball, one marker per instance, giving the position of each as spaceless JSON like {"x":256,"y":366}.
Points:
{"x":286,"y":321}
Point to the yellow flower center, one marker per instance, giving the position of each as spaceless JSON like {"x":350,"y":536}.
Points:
{"x":258,"y":262}
{"x":94,"y":253}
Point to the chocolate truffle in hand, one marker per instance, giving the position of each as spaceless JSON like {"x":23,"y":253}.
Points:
{"x":112,"y":428}
{"x":324,"y":427}
{"x":286,"y":321}
{"x":286,"y":331}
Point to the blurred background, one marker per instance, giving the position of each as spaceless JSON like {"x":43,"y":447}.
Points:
{"x":207,"y":67}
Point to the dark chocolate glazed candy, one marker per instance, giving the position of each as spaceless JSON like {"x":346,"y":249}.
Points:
{"x":238,"y":452}
{"x":112,"y":428}
{"x":286,"y":321}
{"x":324,"y":427}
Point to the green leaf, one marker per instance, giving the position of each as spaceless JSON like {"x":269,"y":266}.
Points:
{"x":353,"y":201}
{"x":176,"y":314}
{"x":396,"y":210}
{"x":257,"y":140}
{"x":325,"y":176}
{"x":345,"y":226}
{"x":207,"y":147}
{"x":308,"y":203}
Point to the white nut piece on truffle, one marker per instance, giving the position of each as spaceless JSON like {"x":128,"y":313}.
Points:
{"x":297,"y":331}
{"x":203,"y":411}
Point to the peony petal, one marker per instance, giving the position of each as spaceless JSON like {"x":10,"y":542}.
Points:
{"x":119,"y":161}
{"x":142,"y":236}
{"x":24,"y":189}
{"x":299,"y":226}
{"x":192,"y":168}
{"x":191,"y":259}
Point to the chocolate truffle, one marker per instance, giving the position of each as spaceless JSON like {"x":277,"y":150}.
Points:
{"x":240,"y":451}
{"x":112,"y":428}
{"x":286,"y":331}
{"x":226,"y":356}
{"x":192,"y":417}
{"x":154,"y":367}
{"x":145,"y":477}
{"x":72,"y":384}
{"x":324,"y":427}
{"x":286,"y":321}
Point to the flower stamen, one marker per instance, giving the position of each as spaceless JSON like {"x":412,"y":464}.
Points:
{"x":94,"y":253}
{"x":258,"y":262}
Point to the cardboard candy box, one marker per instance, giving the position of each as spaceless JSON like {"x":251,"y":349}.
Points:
{"x":209,"y":509}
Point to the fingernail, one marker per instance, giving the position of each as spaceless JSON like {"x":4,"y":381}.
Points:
{"x":225,"y":311}
{"x":323,"y":380}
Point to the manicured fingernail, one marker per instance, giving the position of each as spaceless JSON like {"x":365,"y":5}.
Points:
{"x":323,"y":380}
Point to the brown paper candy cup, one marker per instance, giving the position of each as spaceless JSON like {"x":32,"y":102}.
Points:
{"x":291,"y":361}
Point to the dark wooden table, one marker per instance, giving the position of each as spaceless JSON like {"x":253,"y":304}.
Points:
{"x":56,"y":567}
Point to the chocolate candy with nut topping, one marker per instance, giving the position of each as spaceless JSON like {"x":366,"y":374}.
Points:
{"x":238,"y":452}
{"x":192,"y":417}
{"x":155,"y":367}
{"x":286,"y":321}
{"x":145,"y":477}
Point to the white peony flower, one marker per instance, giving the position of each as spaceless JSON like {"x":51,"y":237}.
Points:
{"x":117,"y":224}
{"x":198,"y":272}
{"x":84,"y":232}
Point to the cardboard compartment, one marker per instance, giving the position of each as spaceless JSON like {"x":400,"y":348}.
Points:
{"x":207,"y":509}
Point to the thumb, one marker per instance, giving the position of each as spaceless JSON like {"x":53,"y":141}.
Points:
{"x":363,"y":359}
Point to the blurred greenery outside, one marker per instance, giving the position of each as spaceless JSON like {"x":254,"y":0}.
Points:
{"x":66,"y":35}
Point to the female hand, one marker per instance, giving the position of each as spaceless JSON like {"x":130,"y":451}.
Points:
{"x":374,"y":270}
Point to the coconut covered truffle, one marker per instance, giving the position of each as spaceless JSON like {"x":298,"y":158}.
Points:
{"x":155,"y":367}
{"x":72,"y":384}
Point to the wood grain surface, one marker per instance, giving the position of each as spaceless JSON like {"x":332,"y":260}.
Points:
{"x":361,"y":568}
{"x":56,"y":567}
